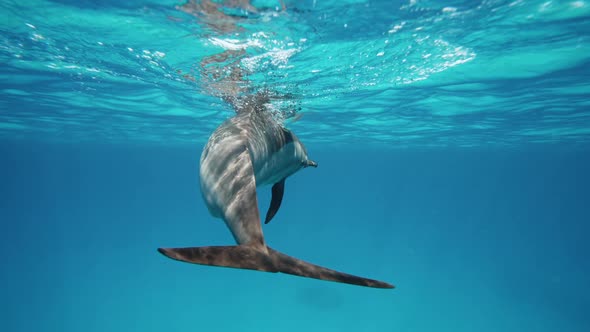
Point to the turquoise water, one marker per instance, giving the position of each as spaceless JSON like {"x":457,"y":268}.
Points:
{"x":452,"y":138}
{"x":417,"y":73}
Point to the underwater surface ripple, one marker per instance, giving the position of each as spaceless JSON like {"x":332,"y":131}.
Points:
{"x":400,"y":73}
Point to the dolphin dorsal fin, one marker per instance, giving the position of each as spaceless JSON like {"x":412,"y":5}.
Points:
{"x":275,"y":203}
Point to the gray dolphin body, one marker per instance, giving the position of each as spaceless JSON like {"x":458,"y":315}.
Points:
{"x":246,"y":151}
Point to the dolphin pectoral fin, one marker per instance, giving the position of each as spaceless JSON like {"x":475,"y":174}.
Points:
{"x":250,"y":258}
{"x":277,"y":197}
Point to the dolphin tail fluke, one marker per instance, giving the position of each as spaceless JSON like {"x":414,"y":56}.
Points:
{"x":295,"y":266}
{"x":246,"y":257}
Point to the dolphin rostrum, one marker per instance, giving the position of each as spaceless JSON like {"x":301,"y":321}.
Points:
{"x":249,"y":150}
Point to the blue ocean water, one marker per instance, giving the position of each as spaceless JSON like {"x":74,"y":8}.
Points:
{"x":452,"y":137}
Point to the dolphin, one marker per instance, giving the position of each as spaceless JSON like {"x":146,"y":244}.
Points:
{"x":249,"y":150}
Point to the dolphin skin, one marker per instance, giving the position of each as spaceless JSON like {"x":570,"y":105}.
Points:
{"x":248,"y":150}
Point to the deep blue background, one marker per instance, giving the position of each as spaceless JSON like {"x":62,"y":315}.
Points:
{"x":474,"y":240}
